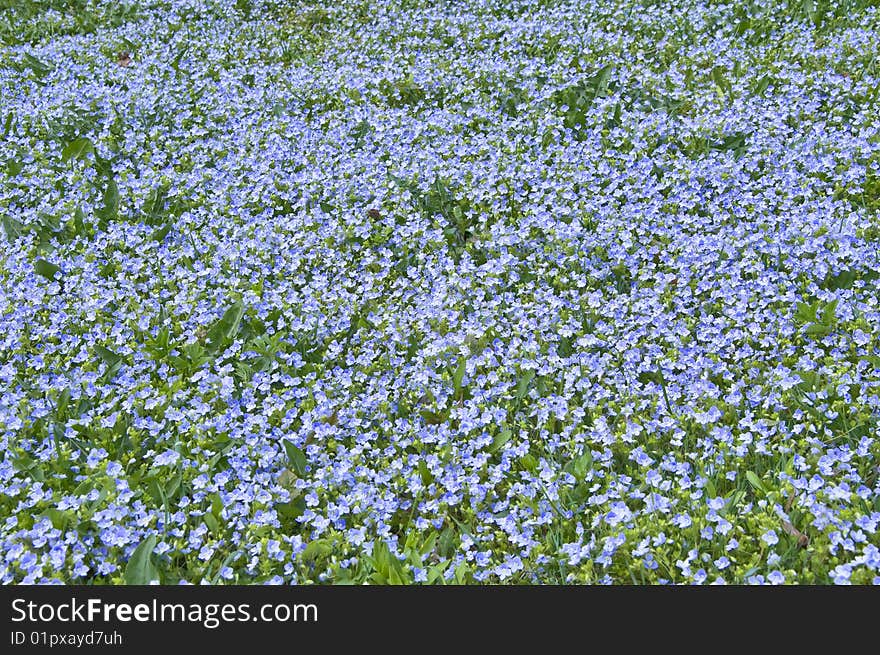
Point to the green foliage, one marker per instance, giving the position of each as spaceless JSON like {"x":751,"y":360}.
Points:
{"x":140,"y":569}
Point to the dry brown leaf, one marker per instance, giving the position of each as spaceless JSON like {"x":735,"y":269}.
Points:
{"x":802,"y":539}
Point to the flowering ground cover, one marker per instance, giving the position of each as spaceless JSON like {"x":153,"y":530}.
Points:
{"x":472,"y":292}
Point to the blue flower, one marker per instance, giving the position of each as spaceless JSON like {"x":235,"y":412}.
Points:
{"x":167,"y":458}
{"x":776,"y":577}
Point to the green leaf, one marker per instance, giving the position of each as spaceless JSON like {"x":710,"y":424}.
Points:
{"x":39,"y":68}
{"x":77,"y":149}
{"x":154,"y":206}
{"x":601,"y":79}
{"x":293,"y":509}
{"x":58,"y":518}
{"x":111,"y":359}
{"x":102,"y":166}
{"x":829,"y":313}
{"x":111,"y":201}
{"x":651,"y":376}
{"x":172,"y":486}
{"x":809,"y":8}
{"x":216,"y":505}
{"x":316,"y":549}
{"x":435,"y":574}
{"x":7,"y":126}
{"x":46,"y":269}
{"x":428,"y":546}
{"x":756,"y":483}
{"x":500,"y":439}
{"x":108,"y":356}
{"x":212,"y":523}
{"x":140,"y":569}
{"x":458,"y":376}
{"x":581,"y":466}
{"x":805,"y":313}
{"x":63,"y":402}
{"x":162,"y":232}
{"x":425,"y":473}
{"x":12,"y":227}
{"x":761,"y":85}
{"x":79,"y":221}
{"x":398,"y":576}
{"x":296,"y":457}
{"x":720,"y":80}
{"x":522,"y":386}
{"x":733,"y":502}
{"x":227,"y":325}
{"x":382,"y":561}
{"x":817,"y":329}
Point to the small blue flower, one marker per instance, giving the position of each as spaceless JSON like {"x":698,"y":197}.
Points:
{"x":169,"y":457}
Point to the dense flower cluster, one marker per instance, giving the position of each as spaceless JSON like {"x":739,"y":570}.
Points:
{"x":406,"y":291}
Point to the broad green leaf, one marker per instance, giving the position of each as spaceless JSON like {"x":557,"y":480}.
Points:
{"x":162,"y":232}
{"x":154,"y":206}
{"x":296,"y":457}
{"x":761,"y":85}
{"x":172,"y":486}
{"x":522,"y":387}
{"x":381,"y":558}
{"x":212,"y":523}
{"x":46,"y":269}
{"x":292,"y":509}
{"x":755,"y":481}
{"x":397,"y":575}
{"x":651,"y":376}
{"x":435,"y":574}
{"x":288,"y":479}
{"x":108,"y":356}
{"x":12,"y":227}
{"x":111,"y":359}
{"x":316,"y":549}
{"x":216,"y":505}
{"x":829,"y":313}
{"x":425,"y":473}
{"x":462,"y":573}
{"x":733,"y":502}
{"x":39,"y":68}
{"x":227,"y":325}
{"x":79,"y":221}
{"x":720,"y":80}
{"x":818,"y":329}
{"x":140,"y":569}
{"x":710,"y":488}
{"x":458,"y":376}
{"x":500,"y":439}
{"x":805,"y":313}
{"x":77,"y":149}
{"x":428,"y":546}
{"x":582,"y":465}
{"x":63,"y":402}
{"x":111,"y":201}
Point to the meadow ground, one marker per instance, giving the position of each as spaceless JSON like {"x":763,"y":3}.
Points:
{"x":403,"y":291}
